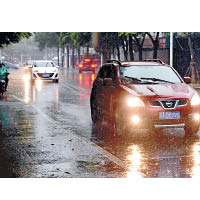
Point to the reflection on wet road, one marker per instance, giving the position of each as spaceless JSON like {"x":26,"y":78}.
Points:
{"x":46,"y":131}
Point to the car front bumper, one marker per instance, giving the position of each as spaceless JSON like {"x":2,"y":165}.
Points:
{"x":150,"y":118}
{"x":45,"y":76}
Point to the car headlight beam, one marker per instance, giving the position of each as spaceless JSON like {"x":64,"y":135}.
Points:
{"x":135,"y":102}
{"x":195,"y":100}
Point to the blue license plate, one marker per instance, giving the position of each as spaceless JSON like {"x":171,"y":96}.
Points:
{"x":169,"y":115}
{"x":45,"y":75}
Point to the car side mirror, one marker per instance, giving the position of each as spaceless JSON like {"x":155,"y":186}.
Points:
{"x":187,"y":80}
{"x":108,"y":82}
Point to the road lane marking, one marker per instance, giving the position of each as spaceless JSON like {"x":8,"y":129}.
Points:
{"x":105,"y":153}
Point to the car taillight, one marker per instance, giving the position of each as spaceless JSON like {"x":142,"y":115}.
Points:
{"x":80,"y":65}
{"x":87,"y":60}
{"x":93,"y":65}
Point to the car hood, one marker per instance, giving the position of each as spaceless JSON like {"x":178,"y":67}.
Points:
{"x":177,"y":90}
{"x":45,"y":69}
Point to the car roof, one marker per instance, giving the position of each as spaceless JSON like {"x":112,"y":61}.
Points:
{"x":43,"y":61}
{"x":143,"y":63}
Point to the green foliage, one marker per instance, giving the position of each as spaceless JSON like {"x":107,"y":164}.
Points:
{"x":47,"y":39}
{"x":7,"y":38}
{"x":81,"y":38}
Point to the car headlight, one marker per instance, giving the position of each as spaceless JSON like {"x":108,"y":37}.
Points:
{"x":195,"y":100}
{"x":135,"y":102}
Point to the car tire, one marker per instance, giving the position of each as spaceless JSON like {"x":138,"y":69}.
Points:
{"x":191,"y":130}
{"x":93,"y":108}
{"x":94,"y":115}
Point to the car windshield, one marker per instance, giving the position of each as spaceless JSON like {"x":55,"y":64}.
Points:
{"x":148,"y":75}
{"x":30,"y":62}
{"x":44,"y":64}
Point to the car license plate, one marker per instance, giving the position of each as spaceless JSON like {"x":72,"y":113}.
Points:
{"x":169,"y":115}
{"x":45,"y":75}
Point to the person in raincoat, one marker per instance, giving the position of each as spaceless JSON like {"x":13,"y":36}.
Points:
{"x":4,"y":73}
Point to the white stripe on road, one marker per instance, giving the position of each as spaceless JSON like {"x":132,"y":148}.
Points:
{"x":105,"y":153}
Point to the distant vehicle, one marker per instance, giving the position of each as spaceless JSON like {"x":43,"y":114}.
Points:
{"x":44,"y":70}
{"x":87,"y":64}
{"x":10,"y":65}
{"x":144,"y":94}
{"x":28,"y":65}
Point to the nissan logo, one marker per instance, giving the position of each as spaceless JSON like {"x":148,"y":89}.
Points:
{"x":169,"y":104}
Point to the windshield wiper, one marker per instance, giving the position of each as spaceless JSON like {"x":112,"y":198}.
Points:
{"x":134,"y":79}
{"x":156,"y":79}
{"x":139,"y":80}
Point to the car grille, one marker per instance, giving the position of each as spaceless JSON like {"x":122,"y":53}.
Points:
{"x":49,"y":75}
{"x":169,"y":104}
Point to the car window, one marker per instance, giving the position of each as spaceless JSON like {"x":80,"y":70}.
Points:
{"x":145,"y":73}
{"x":102,"y":73}
{"x":108,"y":71}
{"x":44,"y":64}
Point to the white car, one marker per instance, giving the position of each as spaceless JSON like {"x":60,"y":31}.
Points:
{"x":45,"y":70}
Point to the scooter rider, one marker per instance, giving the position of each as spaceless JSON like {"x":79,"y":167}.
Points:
{"x":4,"y":73}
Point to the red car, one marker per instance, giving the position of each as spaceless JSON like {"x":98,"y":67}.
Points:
{"x":144,"y":94}
{"x":87,"y":65}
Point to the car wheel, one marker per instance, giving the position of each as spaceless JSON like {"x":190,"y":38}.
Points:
{"x":56,"y":81}
{"x":94,"y":115}
{"x":191,"y":130}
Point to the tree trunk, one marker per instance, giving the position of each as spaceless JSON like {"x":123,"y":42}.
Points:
{"x":140,"y":53}
{"x":58,"y":55}
{"x":155,"y":50}
{"x":67,"y":57}
{"x":131,"y":47}
{"x":139,"y":44}
{"x":73,"y":60}
{"x":87,"y":53}
{"x":155,"y":44}
{"x":79,"y":54}
{"x":118,"y":52}
{"x":63,"y":51}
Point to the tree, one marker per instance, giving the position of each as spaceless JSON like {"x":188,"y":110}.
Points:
{"x":81,"y":39}
{"x":48,"y":39}
{"x":7,"y":38}
{"x":155,"y":43}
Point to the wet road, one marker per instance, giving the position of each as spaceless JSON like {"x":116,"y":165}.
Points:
{"x":46,"y":131}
